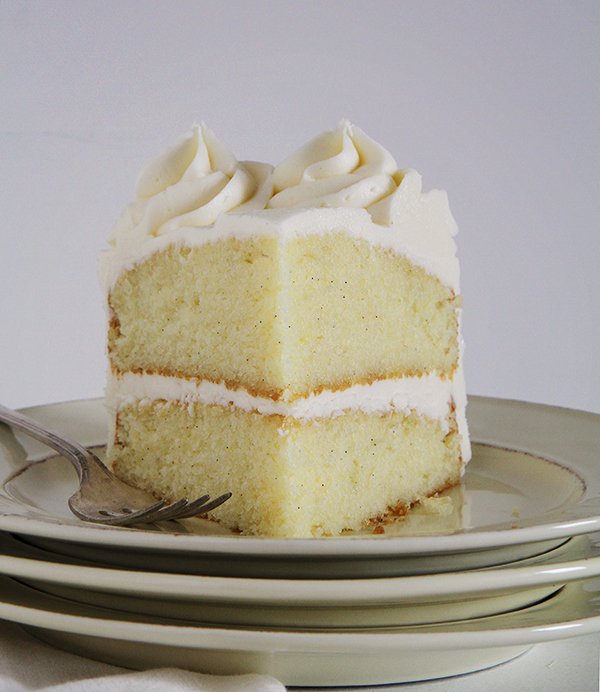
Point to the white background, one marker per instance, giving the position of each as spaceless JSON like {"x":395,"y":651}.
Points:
{"x":498,"y":103}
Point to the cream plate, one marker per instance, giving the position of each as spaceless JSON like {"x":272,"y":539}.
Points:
{"x":517,"y":502}
{"x":578,"y":558}
{"x":305,"y":603}
{"x":320,"y":617}
{"x":330,"y":657}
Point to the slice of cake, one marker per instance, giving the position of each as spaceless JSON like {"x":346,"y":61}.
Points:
{"x":291,"y":335}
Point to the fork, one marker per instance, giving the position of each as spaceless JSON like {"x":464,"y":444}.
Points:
{"x":102,"y":497}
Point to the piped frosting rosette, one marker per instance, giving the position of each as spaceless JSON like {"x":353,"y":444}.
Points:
{"x":343,"y":168}
{"x":199,"y":179}
{"x":191,"y":185}
{"x":200,"y":185}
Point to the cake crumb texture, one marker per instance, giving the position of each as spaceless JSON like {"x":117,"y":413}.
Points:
{"x":319,"y":478}
{"x":318,"y":312}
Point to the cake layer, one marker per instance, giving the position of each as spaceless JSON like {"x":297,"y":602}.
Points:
{"x":288,"y":477}
{"x":283,"y":319}
{"x":423,"y":232}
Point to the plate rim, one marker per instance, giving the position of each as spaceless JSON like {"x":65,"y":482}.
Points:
{"x":252,"y":590}
{"x":155,"y":630}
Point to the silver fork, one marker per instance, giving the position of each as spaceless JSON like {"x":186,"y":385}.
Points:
{"x":102,"y":497}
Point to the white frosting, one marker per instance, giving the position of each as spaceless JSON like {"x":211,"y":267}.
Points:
{"x":423,"y":232}
{"x":340,"y":168}
{"x":429,"y":395}
{"x":192,"y":185}
{"x":341,"y":181}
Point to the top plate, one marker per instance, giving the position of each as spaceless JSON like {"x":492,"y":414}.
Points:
{"x":533,"y":480}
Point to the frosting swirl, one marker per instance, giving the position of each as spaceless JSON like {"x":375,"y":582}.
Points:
{"x":341,"y":180}
{"x":192,"y":184}
{"x":198,"y":180}
{"x":339,"y":168}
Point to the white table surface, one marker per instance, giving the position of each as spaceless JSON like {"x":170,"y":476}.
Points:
{"x":26,"y":664}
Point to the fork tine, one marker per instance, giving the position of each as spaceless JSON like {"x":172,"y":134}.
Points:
{"x":165,"y":512}
{"x":181,"y":508}
{"x":217,"y":502}
{"x":199,"y":506}
{"x":192,"y":507}
{"x":139,"y":517}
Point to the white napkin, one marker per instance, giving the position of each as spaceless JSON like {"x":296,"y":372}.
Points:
{"x":172,"y":680}
{"x":28,"y":664}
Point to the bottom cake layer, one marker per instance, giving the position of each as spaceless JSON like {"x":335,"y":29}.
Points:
{"x":288,"y":477}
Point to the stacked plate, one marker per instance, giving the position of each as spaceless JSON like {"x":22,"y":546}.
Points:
{"x":510,"y":561}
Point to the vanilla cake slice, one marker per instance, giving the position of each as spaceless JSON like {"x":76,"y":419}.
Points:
{"x":289,"y":334}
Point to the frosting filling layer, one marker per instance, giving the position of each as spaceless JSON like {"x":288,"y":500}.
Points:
{"x":429,"y":395}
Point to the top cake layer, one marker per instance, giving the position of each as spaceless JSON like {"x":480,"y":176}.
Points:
{"x":330,"y":270}
{"x":342,"y":180}
{"x":283,"y":320}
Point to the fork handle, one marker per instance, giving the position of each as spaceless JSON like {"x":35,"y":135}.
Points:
{"x":73,"y":451}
